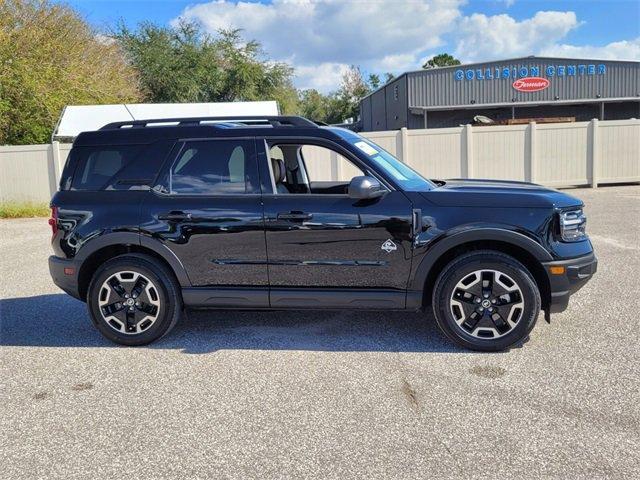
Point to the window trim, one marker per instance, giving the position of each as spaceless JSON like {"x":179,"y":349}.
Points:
{"x":272,"y":180}
{"x":303,"y":163}
{"x":182,"y":142}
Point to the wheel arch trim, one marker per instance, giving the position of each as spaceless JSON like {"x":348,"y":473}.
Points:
{"x":131,"y":238}
{"x":441,"y":247}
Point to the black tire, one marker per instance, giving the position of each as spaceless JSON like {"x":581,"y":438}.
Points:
{"x":464,"y":328}
{"x":164,"y":291}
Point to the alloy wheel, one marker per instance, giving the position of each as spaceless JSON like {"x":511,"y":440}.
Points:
{"x":129,"y":302}
{"x":487,"y":304}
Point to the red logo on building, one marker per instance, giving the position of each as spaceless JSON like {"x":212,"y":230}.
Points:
{"x":530,"y":84}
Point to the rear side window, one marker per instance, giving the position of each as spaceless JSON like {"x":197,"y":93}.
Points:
{"x":96,"y":167}
{"x":215,"y":167}
{"x":115,"y":167}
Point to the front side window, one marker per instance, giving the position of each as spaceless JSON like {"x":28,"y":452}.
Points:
{"x":405,"y":176}
{"x":310,"y":169}
{"x":324,"y":165}
{"x":214,"y":167}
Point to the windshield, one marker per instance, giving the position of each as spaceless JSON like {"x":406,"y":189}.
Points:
{"x":405,"y":176}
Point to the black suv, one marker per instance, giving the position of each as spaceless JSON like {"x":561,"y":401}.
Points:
{"x":281,"y":213}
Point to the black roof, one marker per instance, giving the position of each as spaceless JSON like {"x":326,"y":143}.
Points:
{"x":275,"y":121}
{"x":147,"y":131}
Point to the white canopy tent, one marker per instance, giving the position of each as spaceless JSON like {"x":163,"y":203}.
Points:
{"x":81,"y":118}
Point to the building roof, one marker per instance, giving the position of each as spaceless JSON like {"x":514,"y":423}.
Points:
{"x":503,"y":60}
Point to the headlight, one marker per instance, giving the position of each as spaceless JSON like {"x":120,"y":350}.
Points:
{"x":573,"y":224}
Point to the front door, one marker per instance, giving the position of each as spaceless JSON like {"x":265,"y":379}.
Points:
{"x":324,"y":248}
{"x":208,"y":212}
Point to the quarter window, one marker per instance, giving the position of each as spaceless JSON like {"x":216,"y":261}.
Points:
{"x":220,"y":167}
{"x":98,"y":167}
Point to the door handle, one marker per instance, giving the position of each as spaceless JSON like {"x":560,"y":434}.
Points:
{"x":416,"y":221}
{"x":175,"y":215}
{"x":295,"y":216}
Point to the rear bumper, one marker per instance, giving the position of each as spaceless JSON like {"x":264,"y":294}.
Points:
{"x":67,"y":281}
{"x":577,"y":272}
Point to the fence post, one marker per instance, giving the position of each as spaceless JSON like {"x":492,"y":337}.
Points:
{"x":57,"y":161}
{"x":404,"y":145}
{"x":53,"y":166}
{"x":595,"y":146}
{"x":532,"y":152}
{"x":467,"y":153}
{"x":335,"y":166}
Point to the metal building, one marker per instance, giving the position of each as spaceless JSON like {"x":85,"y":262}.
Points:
{"x":528,"y":87}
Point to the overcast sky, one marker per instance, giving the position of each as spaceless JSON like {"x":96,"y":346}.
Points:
{"x":321,"y":38}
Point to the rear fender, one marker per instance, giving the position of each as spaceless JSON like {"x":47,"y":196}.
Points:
{"x":130,"y":238}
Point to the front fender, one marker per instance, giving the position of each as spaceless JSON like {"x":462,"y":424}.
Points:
{"x":436,"y":247}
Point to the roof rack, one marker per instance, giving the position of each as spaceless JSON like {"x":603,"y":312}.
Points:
{"x":275,"y":121}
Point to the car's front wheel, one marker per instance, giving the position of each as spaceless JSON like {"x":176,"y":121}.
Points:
{"x":134,"y":300}
{"x":486,"y":300}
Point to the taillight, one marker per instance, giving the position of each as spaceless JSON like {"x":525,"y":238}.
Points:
{"x":53,"y":221}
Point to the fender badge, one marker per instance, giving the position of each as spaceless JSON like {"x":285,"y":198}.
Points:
{"x":389,"y":246}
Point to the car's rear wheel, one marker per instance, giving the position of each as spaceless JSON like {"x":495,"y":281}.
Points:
{"x":486,"y":300}
{"x":134,"y":300}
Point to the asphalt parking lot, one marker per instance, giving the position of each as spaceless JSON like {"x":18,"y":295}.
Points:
{"x":322,"y":395}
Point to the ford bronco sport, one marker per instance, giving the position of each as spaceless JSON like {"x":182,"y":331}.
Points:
{"x":154,"y":216}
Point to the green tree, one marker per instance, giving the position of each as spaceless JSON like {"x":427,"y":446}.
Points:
{"x":185,"y":64}
{"x":343,"y":103}
{"x":346,"y":101}
{"x":441,"y":60}
{"x":49,"y":58}
{"x":314,"y":105}
{"x":374,"y":81}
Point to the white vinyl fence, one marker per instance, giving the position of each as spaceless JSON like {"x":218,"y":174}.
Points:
{"x":553,"y":154}
{"x":557,"y":155}
{"x":30,"y":173}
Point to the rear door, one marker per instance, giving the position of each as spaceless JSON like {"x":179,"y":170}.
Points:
{"x":207,"y":210}
{"x":324,"y":248}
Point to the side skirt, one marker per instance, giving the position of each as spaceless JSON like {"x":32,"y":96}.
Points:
{"x":225,"y":297}
{"x":300,"y":298}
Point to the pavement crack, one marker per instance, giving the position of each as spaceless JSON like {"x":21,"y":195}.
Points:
{"x":489,"y":371}
{"x":454,"y":460}
{"x":78,"y":387}
{"x":410,"y":394}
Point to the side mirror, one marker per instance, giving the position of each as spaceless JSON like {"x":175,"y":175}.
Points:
{"x":365,"y":187}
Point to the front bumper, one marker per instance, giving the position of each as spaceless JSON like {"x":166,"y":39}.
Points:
{"x":67,"y":281}
{"x":577,"y":272}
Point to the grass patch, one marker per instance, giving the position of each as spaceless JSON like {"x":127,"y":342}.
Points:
{"x":24,"y":210}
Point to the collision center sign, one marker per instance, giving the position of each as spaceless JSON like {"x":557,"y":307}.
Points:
{"x":528,"y":78}
{"x":530,"y":84}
